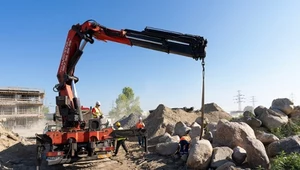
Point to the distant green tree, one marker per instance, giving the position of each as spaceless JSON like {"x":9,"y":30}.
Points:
{"x":126,"y":103}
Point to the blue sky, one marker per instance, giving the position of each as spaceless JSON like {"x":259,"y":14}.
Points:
{"x":253,"y":46}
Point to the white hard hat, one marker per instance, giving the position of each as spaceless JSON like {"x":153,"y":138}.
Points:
{"x":98,"y":103}
{"x":140,"y":118}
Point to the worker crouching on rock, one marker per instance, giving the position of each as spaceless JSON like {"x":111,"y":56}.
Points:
{"x":120,"y":141}
{"x":184,"y":144}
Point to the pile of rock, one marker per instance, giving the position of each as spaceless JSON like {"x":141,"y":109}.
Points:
{"x":163,"y":119}
{"x":246,"y":142}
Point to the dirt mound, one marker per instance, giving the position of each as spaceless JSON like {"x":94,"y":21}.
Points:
{"x":214,"y":112}
{"x":212,"y":107}
{"x":159,"y":118}
{"x":130,"y":121}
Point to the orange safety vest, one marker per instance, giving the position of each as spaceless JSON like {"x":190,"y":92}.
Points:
{"x":140,"y":125}
{"x":186,"y":138}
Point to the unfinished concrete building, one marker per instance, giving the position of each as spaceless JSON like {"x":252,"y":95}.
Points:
{"x":20,"y":107}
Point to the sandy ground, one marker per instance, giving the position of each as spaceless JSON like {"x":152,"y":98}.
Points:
{"x":22,"y":157}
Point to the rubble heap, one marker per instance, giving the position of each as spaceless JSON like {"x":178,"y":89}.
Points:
{"x":158,"y":120}
{"x":9,"y":138}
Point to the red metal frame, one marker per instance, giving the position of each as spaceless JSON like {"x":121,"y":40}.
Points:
{"x":59,"y":138}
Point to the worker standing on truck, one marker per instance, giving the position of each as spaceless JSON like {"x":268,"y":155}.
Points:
{"x":140,"y":125}
{"x":96,"y":111}
{"x":120,"y":141}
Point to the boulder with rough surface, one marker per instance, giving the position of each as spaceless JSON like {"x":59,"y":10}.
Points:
{"x":167,"y":148}
{"x":252,"y":122}
{"x":234,"y":134}
{"x":220,"y":156}
{"x":170,"y":129}
{"x":164,"y":138}
{"x":158,"y":120}
{"x":288,"y":145}
{"x":239,"y":155}
{"x":195,"y":130}
{"x":181,"y":129}
{"x":265,"y":138}
{"x":295,"y":115}
{"x":256,"y":154}
{"x":283,"y":104}
{"x":270,"y":118}
{"x":200,"y":154}
{"x":174,"y":138}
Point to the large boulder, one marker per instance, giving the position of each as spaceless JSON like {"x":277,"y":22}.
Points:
{"x":270,"y":118}
{"x":220,"y":156}
{"x":283,"y":104}
{"x":167,"y":148}
{"x":234,"y":134}
{"x":181,"y":129}
{"x":295,"y":115}
{"x":252,"y":122}
{"x":159,"y":119}
{"x":265,"y":138}
{"x":239,"y":155}
{"x":199,"y":121}
{"x":195,"y":130}
{"x":170,"y":129}
{"x":256,"y":154}
{"x":200,"y":154}
{"x":288,"y":145}
{"x":174,"y":138}
{"x":164,"y":138}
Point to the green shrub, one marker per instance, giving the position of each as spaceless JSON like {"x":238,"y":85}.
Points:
{"x":290,"y":129}
{"x":285,"y":161}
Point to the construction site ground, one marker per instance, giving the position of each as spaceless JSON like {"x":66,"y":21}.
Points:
{"x":22,"y":157}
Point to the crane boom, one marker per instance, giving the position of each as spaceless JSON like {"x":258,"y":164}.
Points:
{"x":79,"y":35}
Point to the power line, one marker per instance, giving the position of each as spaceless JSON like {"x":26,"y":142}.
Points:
{"x":239,"y":99}
{"x":253,"y":101}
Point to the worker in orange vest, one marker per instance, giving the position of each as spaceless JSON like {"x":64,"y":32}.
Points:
{"x":184,"y":144}
{"x":140,"y":125}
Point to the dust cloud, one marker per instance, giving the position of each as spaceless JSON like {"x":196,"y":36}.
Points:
{"x":36,"y":127}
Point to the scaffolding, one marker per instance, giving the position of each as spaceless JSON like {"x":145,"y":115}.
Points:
{"x":20,"y":106}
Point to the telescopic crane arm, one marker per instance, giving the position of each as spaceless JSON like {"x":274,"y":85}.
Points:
{"x":79,"y":35}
